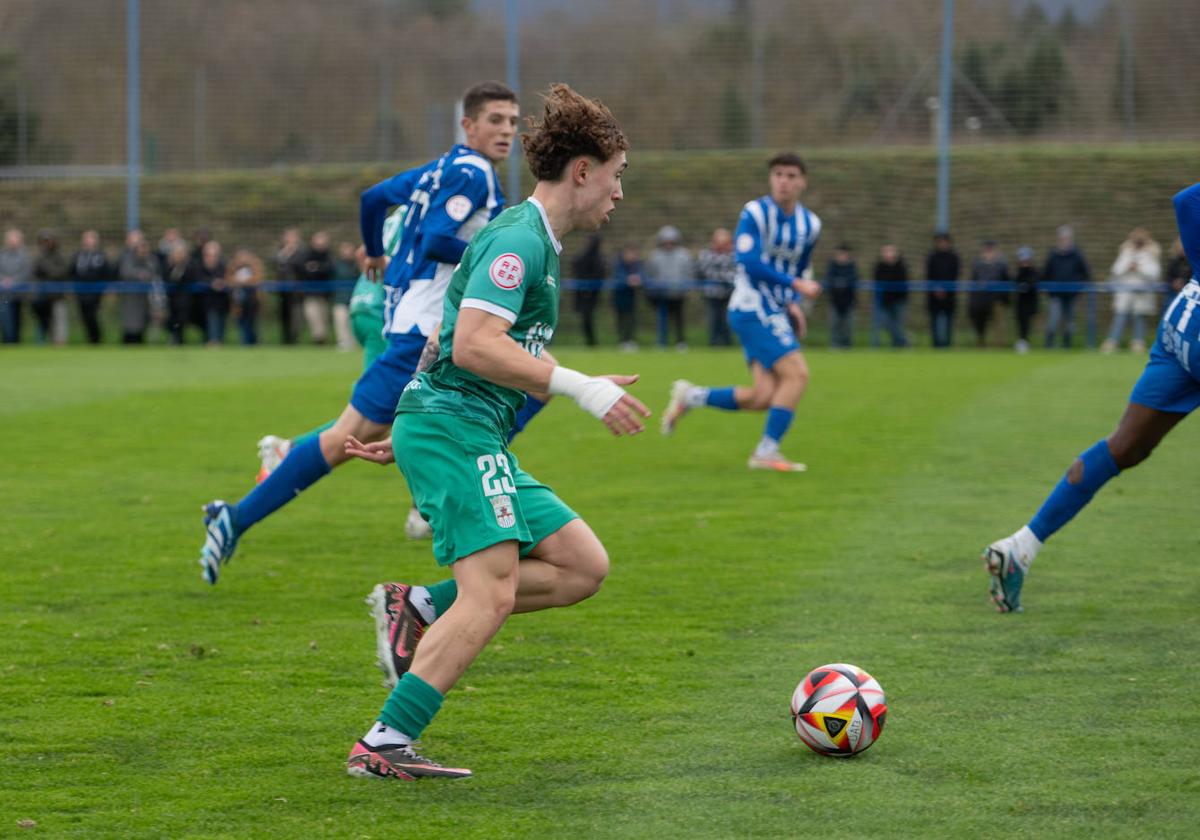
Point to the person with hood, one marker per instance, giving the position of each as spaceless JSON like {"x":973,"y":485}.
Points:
{"x":1135,"y":275}
{"x":669,"y":273}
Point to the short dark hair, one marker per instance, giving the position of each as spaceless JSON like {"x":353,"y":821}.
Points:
{"x":479,"y":95}
{"x":844,"y":246}
{"x":788,"y":159}
{"x":571,"y":125}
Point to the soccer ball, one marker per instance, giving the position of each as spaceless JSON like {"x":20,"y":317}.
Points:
{"x":838,"y":710}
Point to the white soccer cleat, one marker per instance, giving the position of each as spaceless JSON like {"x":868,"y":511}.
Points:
{"x":676,"y":405}
{"x":775,"y":462}
{"x":271,"y":451}
{"x":415,"y":526}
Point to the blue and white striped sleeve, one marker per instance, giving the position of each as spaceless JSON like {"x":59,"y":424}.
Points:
{"x":748,"y":245}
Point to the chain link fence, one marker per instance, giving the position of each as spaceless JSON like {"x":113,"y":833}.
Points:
{"x":258,"y":117}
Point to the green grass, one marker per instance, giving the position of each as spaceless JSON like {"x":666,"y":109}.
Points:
{"x":137,"y":701}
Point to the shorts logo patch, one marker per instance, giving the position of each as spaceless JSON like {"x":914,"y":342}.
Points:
{"x":507,"y":271}
{"x":505,"y":517}
{"x":458,"y":207}
{"x":745,"y":243}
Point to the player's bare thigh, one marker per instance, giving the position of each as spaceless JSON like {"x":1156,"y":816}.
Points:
{"x":564,"y":568}
{"x":351,"y":422}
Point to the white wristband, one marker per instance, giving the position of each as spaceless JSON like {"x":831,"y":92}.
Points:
{"x":594,"y":395}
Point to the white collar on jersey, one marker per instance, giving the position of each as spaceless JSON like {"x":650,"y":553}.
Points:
{"x":546,"y":221}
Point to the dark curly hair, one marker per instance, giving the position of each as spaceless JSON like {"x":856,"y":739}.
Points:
{"x":571,"y":125}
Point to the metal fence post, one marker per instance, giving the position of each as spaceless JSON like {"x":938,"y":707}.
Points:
{"x":133,"y":129}
{"x":945,"y":107}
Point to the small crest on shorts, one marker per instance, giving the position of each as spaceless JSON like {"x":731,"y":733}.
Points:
{"x":507,"y":271}
{"x":505,"y":517}
{"x":458,"y":207}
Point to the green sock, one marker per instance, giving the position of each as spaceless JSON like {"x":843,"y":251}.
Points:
{"x":442,"y":595}
{"x":411,"y":705}
{"x":297,"y":441}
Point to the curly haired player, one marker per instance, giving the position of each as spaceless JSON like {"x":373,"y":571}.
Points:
{"x":511,"y":543}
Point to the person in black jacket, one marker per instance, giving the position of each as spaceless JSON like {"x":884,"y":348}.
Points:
{"x":1064,"y":264}
{"x":942,"y":270}
{"x":1027,"y":296}
{"x":988,"y":270}
{"x":90,"y":265}
{"x":50,"y":266}
{"x":210,"y":273}
{"x":891,"y":296}
{"x":841,"y":284}
{"x":590,"y":270}
{"x":317,"y":267}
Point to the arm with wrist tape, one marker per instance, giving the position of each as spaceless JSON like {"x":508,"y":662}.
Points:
{"x":593,"y":394}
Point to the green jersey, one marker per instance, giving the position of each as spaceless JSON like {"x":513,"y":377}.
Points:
{"x":510,"y":269}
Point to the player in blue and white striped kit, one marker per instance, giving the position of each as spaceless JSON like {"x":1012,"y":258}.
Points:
{"x":1168,"y":391}
{"x":449,"y":200}
{"x":774,"y":242}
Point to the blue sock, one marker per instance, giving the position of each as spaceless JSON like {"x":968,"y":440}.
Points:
{"x":532,"y":406}
{"x":1068,"y":499}
{"x":721,"y":398}
{"x":778,"y":421}
{"x":303,"y":465}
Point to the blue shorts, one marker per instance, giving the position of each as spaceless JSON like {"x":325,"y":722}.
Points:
{"x":1169,"y":381}
{"x":765,"y":341}
{"x":378,"y":390}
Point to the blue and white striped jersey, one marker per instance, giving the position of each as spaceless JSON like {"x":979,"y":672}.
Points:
{"x":454,"y":196}
{"x":772,"y":250}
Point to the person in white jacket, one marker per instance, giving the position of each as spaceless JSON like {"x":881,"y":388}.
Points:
{"x":1136,"y":275}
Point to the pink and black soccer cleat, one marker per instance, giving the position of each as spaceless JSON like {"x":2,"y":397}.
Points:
{"x":398,"y":628}
{"x":397,"y":761}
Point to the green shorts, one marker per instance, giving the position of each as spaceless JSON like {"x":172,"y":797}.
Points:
{"x":469,"y":487}
{"x":368,"y":330}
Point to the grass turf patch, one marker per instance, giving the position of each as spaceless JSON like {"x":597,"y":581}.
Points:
{"x":137,"y":701}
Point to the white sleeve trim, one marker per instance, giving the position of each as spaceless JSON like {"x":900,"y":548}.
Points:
{"x":490,"y":308}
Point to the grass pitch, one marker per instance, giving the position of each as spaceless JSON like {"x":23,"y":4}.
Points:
{"x":137,"y":701}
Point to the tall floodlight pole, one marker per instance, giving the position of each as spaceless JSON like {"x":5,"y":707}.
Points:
{"x":512,"y":46}
{"x":133,"y":127}
{"x":945,"y":107}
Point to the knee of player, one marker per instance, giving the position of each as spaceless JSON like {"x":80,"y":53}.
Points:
{"x":499,"y":603}
{"x":592,"y":569}
{"x":760,"y":400}
{"x":1128,"y":453}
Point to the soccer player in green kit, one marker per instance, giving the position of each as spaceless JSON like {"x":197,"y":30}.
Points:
{"x":511,"y":544}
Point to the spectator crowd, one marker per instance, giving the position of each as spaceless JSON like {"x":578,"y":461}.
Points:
{"x":187,"y":290}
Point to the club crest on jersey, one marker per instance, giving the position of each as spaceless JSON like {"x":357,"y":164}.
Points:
{"x":507,"y":271}
{"x":505,"y":517}
{"x":745,"y":243}
{"x":458,"y":207}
